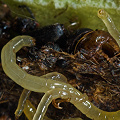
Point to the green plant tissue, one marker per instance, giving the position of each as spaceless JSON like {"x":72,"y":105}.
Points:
{"x":82,"y":12}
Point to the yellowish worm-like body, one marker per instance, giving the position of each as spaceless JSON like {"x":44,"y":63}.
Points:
{"x":109,"y":24}
{"x":54,"y":84}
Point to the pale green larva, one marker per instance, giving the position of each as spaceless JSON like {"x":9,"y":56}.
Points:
{"x":110,"y":25}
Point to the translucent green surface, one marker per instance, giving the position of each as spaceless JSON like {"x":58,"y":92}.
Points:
{"x":83,"y":12}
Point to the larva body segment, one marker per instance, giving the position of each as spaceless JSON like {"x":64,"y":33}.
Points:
{"x":22,"y":101}
{"x":29,"y":110}
{"x":105,"y":17}
{"x":8,"y":56}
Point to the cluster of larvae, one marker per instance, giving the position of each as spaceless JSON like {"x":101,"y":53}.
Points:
{"x":52,"y":84}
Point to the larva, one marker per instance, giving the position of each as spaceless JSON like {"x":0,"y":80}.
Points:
{"x":109,"y":24}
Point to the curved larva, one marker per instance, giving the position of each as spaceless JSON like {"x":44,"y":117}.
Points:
{"x":53,"y":88}
{"x":22,"y":101}
{"x":30,"y":82}
{"x":110,"y":25}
